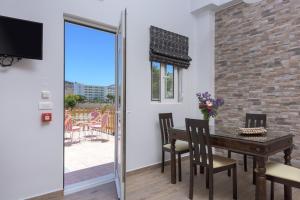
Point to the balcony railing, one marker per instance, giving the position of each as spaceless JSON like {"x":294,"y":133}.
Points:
{"x":85,"y":117}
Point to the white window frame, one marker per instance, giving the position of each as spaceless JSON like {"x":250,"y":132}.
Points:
{"x":177,"y":85}
{"x":163,"y":85}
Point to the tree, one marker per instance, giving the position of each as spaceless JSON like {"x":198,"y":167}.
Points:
{"x":97,"y":100}
{"x":155,"y":82}
{"x":70,"y":101}
{"x":111,"y":98}
{"x":80,"y":98}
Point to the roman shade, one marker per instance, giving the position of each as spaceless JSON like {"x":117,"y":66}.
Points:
{"x":169,"y":48}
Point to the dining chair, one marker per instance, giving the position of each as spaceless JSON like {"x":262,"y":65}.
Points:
{"x":283,"y":174}
{"x":181,"y":147}
{"x":201,"y":154}
{"x":252,"y":121}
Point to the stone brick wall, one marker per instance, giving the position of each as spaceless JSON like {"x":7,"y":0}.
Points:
{"x":257,"y":65}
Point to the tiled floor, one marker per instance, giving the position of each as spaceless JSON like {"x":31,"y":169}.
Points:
{"x":88,"y":173}
{"x":88,"y":153}
{"x":89,"y":159}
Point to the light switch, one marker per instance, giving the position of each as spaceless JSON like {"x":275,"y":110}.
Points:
{"x":46,"y":105}
{"x":45,"y":94}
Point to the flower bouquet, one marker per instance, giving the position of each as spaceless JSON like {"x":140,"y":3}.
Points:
{"x":208,"y":105}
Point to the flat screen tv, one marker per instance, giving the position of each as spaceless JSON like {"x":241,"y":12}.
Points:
{"x":21,"y":38}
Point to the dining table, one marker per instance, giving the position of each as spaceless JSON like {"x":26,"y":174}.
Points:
{"x":260,"y":147}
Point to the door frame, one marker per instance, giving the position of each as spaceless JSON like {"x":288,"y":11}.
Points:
{"x":92,"y":24}
{"x":123,"y":108}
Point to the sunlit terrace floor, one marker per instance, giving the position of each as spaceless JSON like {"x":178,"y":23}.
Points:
{"x":88,"y":158}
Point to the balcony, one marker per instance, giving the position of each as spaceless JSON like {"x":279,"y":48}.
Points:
{"x":89,"y":144}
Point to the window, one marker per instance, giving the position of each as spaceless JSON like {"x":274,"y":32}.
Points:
{"x":155,"y":81}
{"x":165,"y":82}
{"x":169,"y":82}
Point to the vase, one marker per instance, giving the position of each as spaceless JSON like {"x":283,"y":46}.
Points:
{"x":206,"y":116}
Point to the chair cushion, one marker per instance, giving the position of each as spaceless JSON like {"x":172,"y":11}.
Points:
{"x":75,"y":128}
{"x":283,"y":171}
{"x":179,"y":146}
{"x":220,"y":161}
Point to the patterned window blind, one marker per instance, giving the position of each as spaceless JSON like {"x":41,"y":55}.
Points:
{"x":169,"y":48}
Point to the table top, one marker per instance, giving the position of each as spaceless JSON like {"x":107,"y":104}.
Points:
{"x":232,"y":133}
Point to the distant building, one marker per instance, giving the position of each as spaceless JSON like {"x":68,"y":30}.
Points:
{"x":69,"y":87}
{"x":91,"y":92}
{"x":110,"y":90}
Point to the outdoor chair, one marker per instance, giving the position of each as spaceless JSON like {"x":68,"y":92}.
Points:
{"x":71,"y":129}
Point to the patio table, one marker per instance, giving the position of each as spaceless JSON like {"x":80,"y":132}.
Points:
{"x":260,"y":146}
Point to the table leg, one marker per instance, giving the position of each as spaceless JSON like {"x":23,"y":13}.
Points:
{"x":173,"y":162}
{"x":287,"y":161}
{"x":261,"y":187}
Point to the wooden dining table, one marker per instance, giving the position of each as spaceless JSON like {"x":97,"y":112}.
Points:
{"x":261,"y":147}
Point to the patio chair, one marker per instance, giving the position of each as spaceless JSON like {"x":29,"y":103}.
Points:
{"x":93,"y":124}
{"x":104,"y":123}
{"x":100,"y":126}
{"x":70,"y":129}
{"x":95,"y":116}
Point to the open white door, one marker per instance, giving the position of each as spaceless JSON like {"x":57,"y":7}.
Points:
{"x":120,"y":133}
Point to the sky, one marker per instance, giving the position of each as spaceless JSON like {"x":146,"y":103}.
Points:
{"x":89,"y":55}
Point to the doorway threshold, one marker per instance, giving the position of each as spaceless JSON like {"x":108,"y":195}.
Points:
{"x":77,"y":187}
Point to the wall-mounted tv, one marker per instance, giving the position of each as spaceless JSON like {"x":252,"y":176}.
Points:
{"x":21,"y":38}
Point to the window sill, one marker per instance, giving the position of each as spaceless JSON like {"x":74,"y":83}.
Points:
{"x":164,"y":103}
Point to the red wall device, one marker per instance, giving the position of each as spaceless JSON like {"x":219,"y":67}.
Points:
{"x":46,"y":117}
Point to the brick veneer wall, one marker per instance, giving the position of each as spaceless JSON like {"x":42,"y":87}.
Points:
{"x":257,"y":65}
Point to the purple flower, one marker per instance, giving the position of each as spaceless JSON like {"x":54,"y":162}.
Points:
{"x":211,"y":107}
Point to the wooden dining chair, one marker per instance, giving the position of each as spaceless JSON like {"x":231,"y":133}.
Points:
{"x":201,"y":154}
{"x":252,"y":121}
{"x":166,"y":122}
{"x":284,"y":174}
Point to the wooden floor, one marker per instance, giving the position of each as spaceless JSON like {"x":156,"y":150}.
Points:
{"x":152,"y":185}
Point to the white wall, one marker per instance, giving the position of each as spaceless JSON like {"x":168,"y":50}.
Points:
{"x":197,"y":5}
{"x":31,"y":154}
{"x":203,"y":54}
{"x":143,"y":135}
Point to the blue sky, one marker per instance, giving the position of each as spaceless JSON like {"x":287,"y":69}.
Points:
{"x":89,"y":55}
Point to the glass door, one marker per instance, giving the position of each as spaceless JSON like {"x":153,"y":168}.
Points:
{"x":121,"y":108}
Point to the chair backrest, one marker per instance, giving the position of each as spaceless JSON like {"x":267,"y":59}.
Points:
{"x":68,"y":123}
{"x":94,"y":115}
{"x":199,"y":142}
{"x":104,"y":120}
{"x":165,"y":122}
{"x":256,"y":120}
